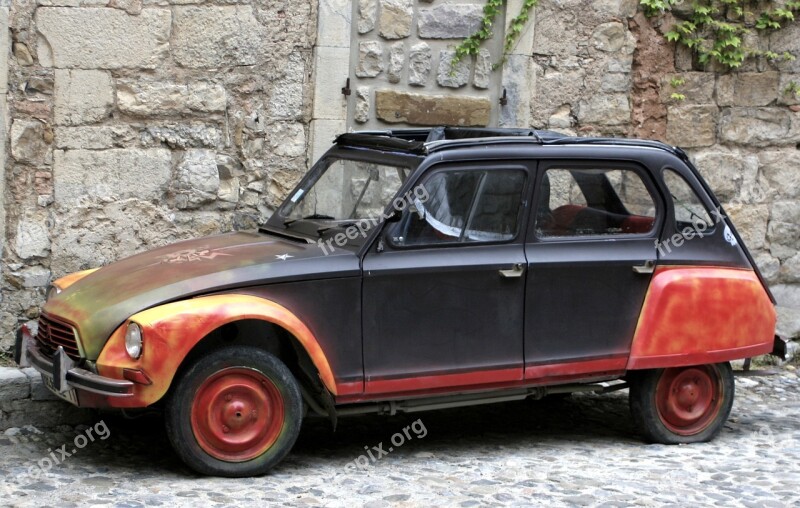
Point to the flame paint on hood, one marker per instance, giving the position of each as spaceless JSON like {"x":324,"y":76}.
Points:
{"x":98,"y":303}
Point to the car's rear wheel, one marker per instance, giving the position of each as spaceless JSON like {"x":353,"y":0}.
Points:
{"x":682,"y":404}
{"x":236,"y":412}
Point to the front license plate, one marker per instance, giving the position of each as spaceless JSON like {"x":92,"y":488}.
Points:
{"x":70,"y":395}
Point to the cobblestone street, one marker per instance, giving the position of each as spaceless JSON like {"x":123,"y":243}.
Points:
{"x":579,"y":451}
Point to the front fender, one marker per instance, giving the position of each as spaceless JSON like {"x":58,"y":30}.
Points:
{"x":170,"y":332}
{"x":68,"y":280}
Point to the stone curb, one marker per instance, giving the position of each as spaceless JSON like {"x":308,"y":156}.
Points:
{"x":24,"y":400}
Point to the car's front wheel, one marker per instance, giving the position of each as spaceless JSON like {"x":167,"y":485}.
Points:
{"x":682,"y":404}
{"x":235,"y":412}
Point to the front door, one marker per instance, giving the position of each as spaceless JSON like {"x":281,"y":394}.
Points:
{"x":443,"y":291}
{"x":591,"y":251}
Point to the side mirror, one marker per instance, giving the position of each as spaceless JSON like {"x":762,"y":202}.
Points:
{"x":386,"y":234}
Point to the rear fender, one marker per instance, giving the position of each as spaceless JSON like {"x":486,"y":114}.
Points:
{"x":695,"y":315}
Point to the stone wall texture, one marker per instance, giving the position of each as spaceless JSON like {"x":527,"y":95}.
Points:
{"x":25,"y":400}
{"x":135,"y":123}
{"x":602,"y":68}
{"x":403,"y":52}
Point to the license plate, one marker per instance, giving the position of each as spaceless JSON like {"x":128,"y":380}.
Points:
{"x":70,"y":395}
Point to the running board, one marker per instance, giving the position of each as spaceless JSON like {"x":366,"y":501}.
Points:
{"x":393,"y":407}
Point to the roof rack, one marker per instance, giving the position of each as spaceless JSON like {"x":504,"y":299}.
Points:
{"x":453,"y":133}
{"x":426,"y":140}
{"x":381,"y":141}
{"x":572,"y":140}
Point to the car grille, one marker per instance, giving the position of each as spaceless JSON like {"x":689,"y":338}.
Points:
{"x":54,"y":333}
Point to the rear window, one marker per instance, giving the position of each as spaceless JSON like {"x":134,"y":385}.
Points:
{"x":594,"y":202}
{"x":689,"y":209}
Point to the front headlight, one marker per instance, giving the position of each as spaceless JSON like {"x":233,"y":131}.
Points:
{"x":133,"y":341}
{"x":52,"y":291}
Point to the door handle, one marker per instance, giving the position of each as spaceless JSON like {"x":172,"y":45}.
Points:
{"x":648,"y":267}
{"x":514,"y":272}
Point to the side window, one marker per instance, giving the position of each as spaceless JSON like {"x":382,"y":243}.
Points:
{"x":464,"y":206}
{"x":689,"y":210}
{"x":593,"y":202}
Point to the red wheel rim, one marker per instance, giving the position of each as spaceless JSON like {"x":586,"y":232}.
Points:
{"x":688,"y":398}
{"x":237,"y":414}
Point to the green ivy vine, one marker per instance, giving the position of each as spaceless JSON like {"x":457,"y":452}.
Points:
{"x":471,"y":45}
{"x":716,"y":29}
{"x":792,"y":89}
{"x":677,"y":83}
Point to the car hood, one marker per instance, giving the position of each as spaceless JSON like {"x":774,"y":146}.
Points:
{"x":100,"y":302}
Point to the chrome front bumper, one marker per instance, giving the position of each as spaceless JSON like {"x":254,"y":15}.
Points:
{"x":61,"y":373}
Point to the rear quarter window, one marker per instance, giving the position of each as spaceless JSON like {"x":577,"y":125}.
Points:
{"x":689,"y":209}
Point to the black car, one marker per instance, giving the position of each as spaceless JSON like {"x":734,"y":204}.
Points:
{"x":421,"y":269}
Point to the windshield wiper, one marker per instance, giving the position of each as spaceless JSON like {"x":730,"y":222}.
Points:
{"x":342,"y":225}
{"x":320,"y":216}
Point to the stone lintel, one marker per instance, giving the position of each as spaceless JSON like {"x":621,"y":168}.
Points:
{"x":419,"y":109}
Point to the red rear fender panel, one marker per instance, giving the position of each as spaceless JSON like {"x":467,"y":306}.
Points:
{"x":699,"y":315}
{"x":171,"y":331}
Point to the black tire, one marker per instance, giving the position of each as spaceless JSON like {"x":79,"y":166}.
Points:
{"x":209,"y":403}
{"x":682,"y":404}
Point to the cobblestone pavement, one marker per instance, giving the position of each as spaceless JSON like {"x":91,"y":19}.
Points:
{"x":579,"y":451}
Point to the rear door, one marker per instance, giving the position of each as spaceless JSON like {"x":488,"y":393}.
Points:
{"x":591,"y":250}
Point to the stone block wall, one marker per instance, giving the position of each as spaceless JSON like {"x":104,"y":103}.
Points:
{"x":403,"y":52}
{"x":134,"y":123}
{"x":25,"y":400}
{"x":583,"y":55}
{"x":602,"y":68}
{"x":742,"y":130}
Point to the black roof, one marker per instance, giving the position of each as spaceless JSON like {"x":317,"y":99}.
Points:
{"x":429,"y":140}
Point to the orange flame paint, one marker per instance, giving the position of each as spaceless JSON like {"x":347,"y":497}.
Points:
{"x":170,"y":332}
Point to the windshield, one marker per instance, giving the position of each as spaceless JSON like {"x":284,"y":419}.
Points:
{"x":346,"y":190}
